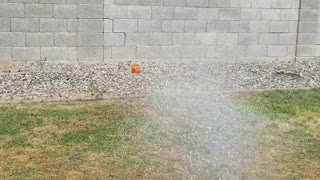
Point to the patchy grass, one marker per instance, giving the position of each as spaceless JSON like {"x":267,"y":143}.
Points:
{"x":113,"y":140}
{"x":290,"y":134}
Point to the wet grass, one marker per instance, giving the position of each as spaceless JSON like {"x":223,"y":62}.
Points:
{"x":112,"y":140}
{"x":290,"y":134}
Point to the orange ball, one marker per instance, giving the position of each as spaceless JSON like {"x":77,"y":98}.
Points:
{"x":135,"y":69}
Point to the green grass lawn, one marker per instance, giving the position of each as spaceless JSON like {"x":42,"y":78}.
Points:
{"x":124,"y":140}
{"x":290,"y":132}
{"x":83,"y":141}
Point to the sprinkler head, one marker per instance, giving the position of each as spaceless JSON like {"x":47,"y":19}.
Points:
{"x":135,"y":69}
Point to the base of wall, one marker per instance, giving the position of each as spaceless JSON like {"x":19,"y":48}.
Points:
{"x":173,"y":61}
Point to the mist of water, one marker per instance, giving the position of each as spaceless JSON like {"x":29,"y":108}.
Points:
{"x":213,"y":129}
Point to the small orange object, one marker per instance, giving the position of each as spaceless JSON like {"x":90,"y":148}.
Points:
{"x":135,"y":69}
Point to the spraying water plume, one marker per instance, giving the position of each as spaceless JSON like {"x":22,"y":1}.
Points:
{"x":212,"y":129}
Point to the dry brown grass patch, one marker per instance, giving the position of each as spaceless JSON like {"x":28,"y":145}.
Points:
{"x":67,"y":144}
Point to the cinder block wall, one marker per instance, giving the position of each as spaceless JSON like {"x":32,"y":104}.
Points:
{"x":107,"y":30}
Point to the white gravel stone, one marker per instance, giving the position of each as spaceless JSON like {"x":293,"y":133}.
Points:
{"x":41,"y":82}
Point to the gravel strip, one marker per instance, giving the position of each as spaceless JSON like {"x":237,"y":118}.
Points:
{"x":38,"y":81}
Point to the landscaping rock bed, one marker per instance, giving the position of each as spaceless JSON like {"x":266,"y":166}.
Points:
{"x":47,"y":82}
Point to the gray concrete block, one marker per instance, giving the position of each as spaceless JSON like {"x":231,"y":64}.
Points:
{"x":141,"y":39}
{"x":208,"y":13}
{"x":9,"y":39}
{"x":186,"y":13}
{"x":39,"y":10}
{"x":195,"y":51}
{"x":90,"y":53}
{"x":198,"y":3}
{"x":268,"y":38}
{"x":309,"y":27}
{"x":112,"y":11}
{"x":241,"y":3}
{"x":287,"y":38}
{"x":54,"y":53}
{"x":5,"y":55}
{"x":262,"y":3}
{"x":219,"y":3}
{"x":259,"y":26}
{"x":139,"y":12}
{"x":282,"y":4}
{"x":309,"y":38}
{"x":290,"y":14}
{"x":161,"y":39}
{"x":90,"y":40}
{"x":149,"y":25}
{"x":248,"y":38}
{"x":227,"y":38}
{"x":215,"y":51}
{"x":5,"y":25}
{"x":25,"y":25}
{"x":11,"y":10}
{"x":39,"y":39}
{"x":195,"y":26}
{"x":175,"y":2}
{"x":151,"y":2}
{"x":172,"y":25}
{"x":295,"y":4}
{"x":90,"y":25}
{"x":257,"y":51}
{"x":127,"y":52}
{"x":22,"y":1}
{"x":63,"y":1}
{"x":94,"y":30}
{"x":230,"y":14}
{"x":291,"y":51}
{"x":65,"y":11}
{"x":94,"y":11}
{"x":305,"y":51}
{"x":108,"y":25}
{"x":239,"y":26}
{"x":218,"y":26}
{"x":53,"y":25}
{"x":184,"y":39}
{"x":107,"y":53}
{"x":293,"y":26}
{"x":26,"y":53}
{"x":279,"y":26}
{"x":148,"y":52}
{"x":250,"y":14}
{"x":277,"y":50}
{"x":66,"y":39}
{"x":72,"y":25}
{"x":73,"y":54}
{"x":81,"y":1}
{"x":114,"y":39}
{"x":205,"y":38}
{"x":271,"y":14}
{"x":309,"y":15}
{"x":316,"y":50}
{"x":126,"y":2}
{"x":161,"y":12}
{"x":234,"y":51}
{"x":310,"y":4}
{"x":125,"y":25}
{"x":171,"y":52}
